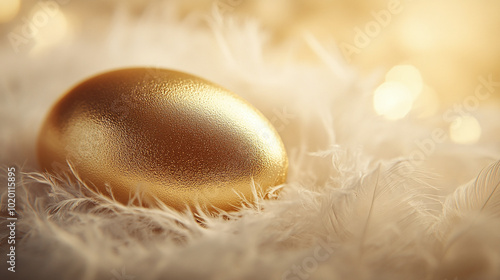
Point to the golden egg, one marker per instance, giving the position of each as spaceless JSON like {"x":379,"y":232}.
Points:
{"x":168,"y":135}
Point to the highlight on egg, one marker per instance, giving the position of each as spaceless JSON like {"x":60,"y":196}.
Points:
{"x":173,"y":137}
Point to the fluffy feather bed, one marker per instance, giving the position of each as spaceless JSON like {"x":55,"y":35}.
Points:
{"x":356,"y":205}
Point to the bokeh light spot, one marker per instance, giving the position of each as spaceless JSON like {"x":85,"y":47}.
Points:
{"x":408,"y":75}
{"x":393,"y":100}
{"x":52,"y":32}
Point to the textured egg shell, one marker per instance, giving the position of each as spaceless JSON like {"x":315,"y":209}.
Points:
{"x":170,"y":135}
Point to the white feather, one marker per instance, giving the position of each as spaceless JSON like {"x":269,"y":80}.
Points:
{"x":481,"y":196}
{"x":347,"y":188}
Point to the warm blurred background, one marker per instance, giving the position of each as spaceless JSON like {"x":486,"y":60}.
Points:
{"x":348,"y":84}
{"x":427,"y":55}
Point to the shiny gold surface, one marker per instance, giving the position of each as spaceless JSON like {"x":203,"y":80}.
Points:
{"x":168,"y":134}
